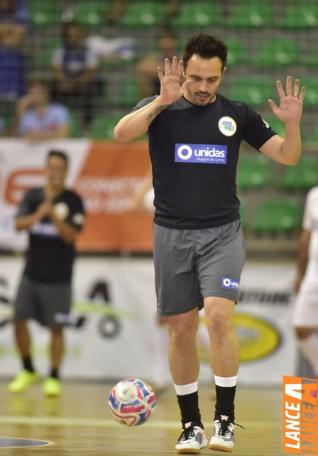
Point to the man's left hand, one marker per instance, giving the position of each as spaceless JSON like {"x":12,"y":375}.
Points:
{"x":290,"y":101}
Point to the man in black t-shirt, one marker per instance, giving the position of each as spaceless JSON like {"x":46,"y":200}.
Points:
{"x":53,"y":216}
{"x":194,"y":139}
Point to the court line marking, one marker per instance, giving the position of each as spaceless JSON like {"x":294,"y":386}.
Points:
{"x":44,"y":444}
{"x":93,"y":422}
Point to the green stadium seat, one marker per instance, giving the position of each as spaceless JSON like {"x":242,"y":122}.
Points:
{"x":236,"y":52}
{"x":277,"y":216}
{"x":312,"y":137}
{"x":198,"y":14}
{"x":310,"y":57}
{"x":44,"y":12}
{"x":42,"y":56}
{"x":275,"y":124}
{"x":250,"y":14}
{"x":276,"y":52}
{"x":143,"y":14}
{"x":103,"y":127}
{"x":75,"y":125}
{"x":311,"y":97}
{"x":252,"y":90}
{"x":301,"y":15}
{"x":91,"y":13}
{"x":254,"y":172}
{"x":129,"y":94}
{"x":301,"y":177}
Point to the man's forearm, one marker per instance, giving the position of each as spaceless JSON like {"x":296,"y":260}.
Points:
{"x":291,"y":146}
{"x":136,"y":124}
{"x":66,"y":231}
{"x":25,"y":222}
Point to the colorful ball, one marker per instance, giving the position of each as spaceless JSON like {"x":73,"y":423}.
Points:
{"x":132,"y":401}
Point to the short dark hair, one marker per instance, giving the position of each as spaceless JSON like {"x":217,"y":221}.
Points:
{"x":207,"y":47}
{"x":57,"y":153}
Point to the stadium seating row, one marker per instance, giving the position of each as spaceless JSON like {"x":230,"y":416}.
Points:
{"x":274,"y":216}
{"x":192,"y":14}
{"x":256,"y":171}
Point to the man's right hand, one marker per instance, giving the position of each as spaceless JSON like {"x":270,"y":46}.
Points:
{"x":171,"y":88}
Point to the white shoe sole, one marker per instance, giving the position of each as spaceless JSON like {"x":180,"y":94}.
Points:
{"x":188,"y":450}
{"x":220,"y":447}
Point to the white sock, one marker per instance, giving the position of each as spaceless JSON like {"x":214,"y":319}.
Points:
{"x":225,"y":381}
{"x":309,"y":348}
{"x":183,"y":390}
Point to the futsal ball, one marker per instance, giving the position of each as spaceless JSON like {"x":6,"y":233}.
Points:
{"x":132,"y":401}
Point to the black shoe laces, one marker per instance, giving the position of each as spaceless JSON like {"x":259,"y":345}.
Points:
{"x":186,"y":433}
{"x":224,"y":430}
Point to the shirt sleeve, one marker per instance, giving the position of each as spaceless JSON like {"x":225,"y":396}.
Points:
{"x":25,"y":124}
{"x":26,"y":205}
{"x":308,"y":219}
{"x":143,"y":103}
{"x":256,"y":132}
{"x":77,"y":213}
{"x":62,"y":115}
{"x":22,"y":14}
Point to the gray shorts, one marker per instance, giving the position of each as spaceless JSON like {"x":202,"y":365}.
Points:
{"x":48,"y":304}
{"x":193,"y":264}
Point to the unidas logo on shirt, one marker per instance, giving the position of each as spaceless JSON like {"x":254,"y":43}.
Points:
{"x":212,"y":154}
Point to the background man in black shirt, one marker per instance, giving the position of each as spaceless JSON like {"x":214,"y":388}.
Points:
{"x":194,"y":139}
{"x":53,"y":216}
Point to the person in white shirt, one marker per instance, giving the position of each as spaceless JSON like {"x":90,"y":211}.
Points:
{"x":306,"y":284}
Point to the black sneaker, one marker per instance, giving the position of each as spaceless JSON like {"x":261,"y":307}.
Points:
{"x":191,"y":440}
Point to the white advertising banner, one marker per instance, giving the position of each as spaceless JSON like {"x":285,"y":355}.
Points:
{"x":113,"y":332}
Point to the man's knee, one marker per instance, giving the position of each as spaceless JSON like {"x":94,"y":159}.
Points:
{"x":219,"y":316}
{"x":183,"y":327}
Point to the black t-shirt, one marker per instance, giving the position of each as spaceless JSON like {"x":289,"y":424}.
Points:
{"x":194,"y":152}
{"x":49,"y":259}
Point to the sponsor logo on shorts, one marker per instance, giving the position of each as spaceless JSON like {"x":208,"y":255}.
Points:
{"x":211,"y":154}
{"x":227,"y":126}
{"x":227,"y":282}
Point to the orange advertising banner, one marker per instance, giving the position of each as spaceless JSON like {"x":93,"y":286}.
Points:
{"x":109,"y":177}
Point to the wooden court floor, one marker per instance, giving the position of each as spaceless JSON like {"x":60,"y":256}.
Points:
{"x":79,"y":423}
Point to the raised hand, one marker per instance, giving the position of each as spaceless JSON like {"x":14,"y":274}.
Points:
{"x":171,"y":88}
{"x":290,"y":101}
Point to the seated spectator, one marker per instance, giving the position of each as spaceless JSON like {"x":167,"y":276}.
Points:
{"x":148,"y":80}
{"x":13,"y":22}
{"x":38,"y":119}
{"x":74,"y":72}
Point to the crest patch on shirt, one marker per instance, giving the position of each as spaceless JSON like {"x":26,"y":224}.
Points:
{"x":227,"y":126}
